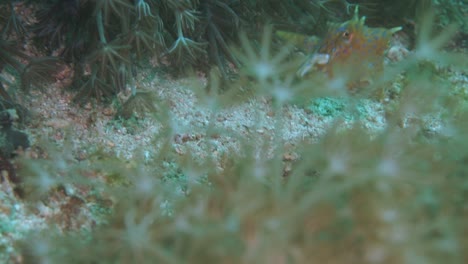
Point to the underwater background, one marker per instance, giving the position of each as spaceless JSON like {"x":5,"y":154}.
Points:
{"x":232,"y":131}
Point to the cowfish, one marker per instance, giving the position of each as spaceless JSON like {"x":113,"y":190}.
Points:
{"x":351,"y":44}
{"x":300,"y":41}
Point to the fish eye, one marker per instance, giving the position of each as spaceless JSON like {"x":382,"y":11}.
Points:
{"x":345,"y":34}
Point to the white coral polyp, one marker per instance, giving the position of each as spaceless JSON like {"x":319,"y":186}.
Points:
{"x":282,"y":94}
{"x":388,"y":167}
{"x":337,"y":165}
{"x":263,"y":70}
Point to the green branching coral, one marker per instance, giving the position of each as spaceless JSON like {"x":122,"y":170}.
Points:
{"x":12,"y":23}
{"x":221,"y":24}
{"x":31,"y":71}
{"x":187,"y":32}
{"x":346,"y":194}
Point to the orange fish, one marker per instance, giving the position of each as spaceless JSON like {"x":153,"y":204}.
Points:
{"x":350,"y":44}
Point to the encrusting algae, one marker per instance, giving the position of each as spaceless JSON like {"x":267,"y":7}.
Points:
{"x":350,"y":44}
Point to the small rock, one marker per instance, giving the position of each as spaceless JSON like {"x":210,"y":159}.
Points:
{"x":108,"y":111}
{"x":289,"y":157}
{"x":88,"y":106}
{"x":397,"y":53}
{"x":287,"y":170}
{"x":57,"y":123}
